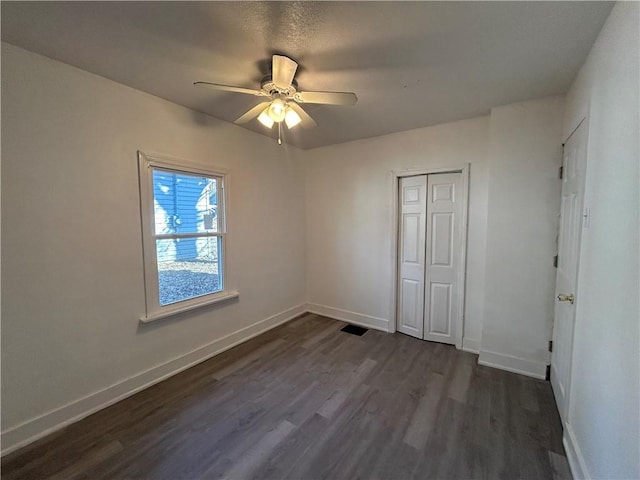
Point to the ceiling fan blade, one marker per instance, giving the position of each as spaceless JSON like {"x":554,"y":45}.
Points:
{"x":328,"y":98}
{"x":283,"y":71}
{"x":254,"y":112}
{"x":305,"y":120}
{"x":228,"y":88}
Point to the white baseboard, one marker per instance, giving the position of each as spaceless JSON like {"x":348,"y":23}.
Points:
{"x":471,"y":345}
{"x":513,"y":364}
{"x":351,"y":317}
{"x":574,"y":455}
{"x":35,"y":428}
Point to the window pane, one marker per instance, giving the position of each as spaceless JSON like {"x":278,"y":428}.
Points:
{"x":184,"y":203}
{"x":188,"y":268}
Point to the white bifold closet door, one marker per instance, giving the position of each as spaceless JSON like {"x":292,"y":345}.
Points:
{"x":413,"y":214}
{"x":430,"y":229}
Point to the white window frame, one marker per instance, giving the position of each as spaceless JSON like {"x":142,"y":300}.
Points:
{"x":146,"y":166}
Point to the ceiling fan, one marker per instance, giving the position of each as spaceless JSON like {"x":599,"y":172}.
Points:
{"x":284,"y":98}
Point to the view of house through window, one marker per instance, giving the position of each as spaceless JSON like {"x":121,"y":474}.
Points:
{"x":187,"y":231}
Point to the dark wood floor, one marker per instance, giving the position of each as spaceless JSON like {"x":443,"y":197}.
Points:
{"x":308,"y":401}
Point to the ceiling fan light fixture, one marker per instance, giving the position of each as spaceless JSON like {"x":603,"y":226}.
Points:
{"x":281,"y":97}
{"x":265,"y":119}
{"x":277,"y":110}
{"x":291,"y":118}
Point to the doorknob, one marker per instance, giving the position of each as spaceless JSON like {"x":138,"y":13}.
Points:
{"x":563,"y":297}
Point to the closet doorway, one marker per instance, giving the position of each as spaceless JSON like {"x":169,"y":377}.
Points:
{"x":431,"y":255}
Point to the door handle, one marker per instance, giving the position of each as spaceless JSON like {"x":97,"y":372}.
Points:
{"x":563,"y":297}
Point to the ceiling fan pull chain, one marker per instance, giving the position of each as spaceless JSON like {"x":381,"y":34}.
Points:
{"x":279,"y":133}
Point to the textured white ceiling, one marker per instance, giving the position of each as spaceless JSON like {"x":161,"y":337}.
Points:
{"x":412,"y":64}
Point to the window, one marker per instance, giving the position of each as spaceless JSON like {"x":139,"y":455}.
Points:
{"x":183,"y":229}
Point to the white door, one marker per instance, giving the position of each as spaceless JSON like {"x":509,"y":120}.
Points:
{"x":430,"y":233}
{"x":413,"y":206}
{"x":571,"y":217}
{"x":444,"y":226}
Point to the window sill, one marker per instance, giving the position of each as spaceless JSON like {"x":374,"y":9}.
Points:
{"x":152,"y":317}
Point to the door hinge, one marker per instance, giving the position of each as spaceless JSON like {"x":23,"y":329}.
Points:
{"x":547,"y":376}
{"x":555,"y":261}
{"x":551,"y":345}
{"x":587,"y":218}
{"x":560,"y":172}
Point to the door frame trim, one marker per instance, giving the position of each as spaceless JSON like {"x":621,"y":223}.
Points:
{"x":462,"y":251}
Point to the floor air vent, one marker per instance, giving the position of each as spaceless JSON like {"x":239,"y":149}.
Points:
{"x":355,"y":330}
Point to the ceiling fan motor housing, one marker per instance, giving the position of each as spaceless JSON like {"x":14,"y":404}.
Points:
{"x":267,"y":86}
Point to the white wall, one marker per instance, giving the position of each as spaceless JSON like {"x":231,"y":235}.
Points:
{"x":514,"y":156}
{"x":350,"y":256}
{"x":603,"y":431}
{"x":524,"y":200}
{"x":72,"y":276}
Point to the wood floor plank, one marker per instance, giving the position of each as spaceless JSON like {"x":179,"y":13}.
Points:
{"x":289,"y":453}
{"x":559,"y":466}
{"x":328,"y":445}
{"x":306,"y":400}
{"x":93,"y":457}
{"x":424,"y":416}
{"x":246,"y":462}
{"x":461,"y":378}
{"x":321,"y":336}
